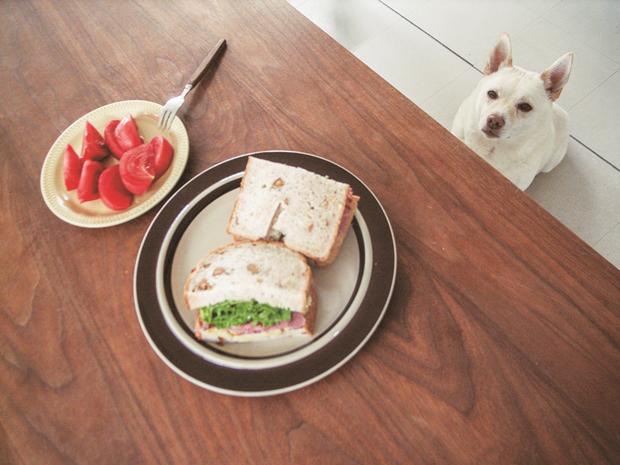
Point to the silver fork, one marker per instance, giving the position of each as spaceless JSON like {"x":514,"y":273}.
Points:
{"x":172,"y":106}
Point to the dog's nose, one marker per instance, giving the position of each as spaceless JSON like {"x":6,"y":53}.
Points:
{"x":495,"y":122}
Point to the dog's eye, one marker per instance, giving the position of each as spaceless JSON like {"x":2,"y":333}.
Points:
{"x":492,"y":94}
{"x":524,"y":107}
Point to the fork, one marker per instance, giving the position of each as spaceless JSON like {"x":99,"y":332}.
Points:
{"x":172,"y":105}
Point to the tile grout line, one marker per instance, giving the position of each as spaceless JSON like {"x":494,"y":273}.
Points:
{"x":611,"y":230}
{"x":429,"y":35}
{"x":596,"y":154}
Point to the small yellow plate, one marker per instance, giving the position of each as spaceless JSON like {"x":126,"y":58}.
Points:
{"x":95,"y":214}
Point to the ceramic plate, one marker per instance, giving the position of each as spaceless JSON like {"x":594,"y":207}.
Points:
{"x":95,"y":214}
{"x":353,"y":292}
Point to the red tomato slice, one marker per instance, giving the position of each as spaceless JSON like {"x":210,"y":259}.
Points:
{"x":71,"y":168}
{"x":87,"y":189}
{"x":110,"y":138}
{"x":112,"y":191}
{"x":126,"y":133}
{"x":137,"y":168}
{"x":163,"y":155}
{"x":93,"y":145}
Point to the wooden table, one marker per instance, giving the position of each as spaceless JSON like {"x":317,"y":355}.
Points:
{"x":501,"y":343}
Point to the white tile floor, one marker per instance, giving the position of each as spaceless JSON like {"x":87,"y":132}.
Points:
{"x":433,"y":52}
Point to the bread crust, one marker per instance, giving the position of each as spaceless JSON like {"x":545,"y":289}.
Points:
{"x":345,"y":223}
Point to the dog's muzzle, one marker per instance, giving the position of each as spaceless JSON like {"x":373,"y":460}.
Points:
{"x":493,"y":126}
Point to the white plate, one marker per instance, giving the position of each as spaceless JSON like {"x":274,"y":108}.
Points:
{"x":337,"y":287}
{"x":353,"y":292}
{"x":95,"y":214}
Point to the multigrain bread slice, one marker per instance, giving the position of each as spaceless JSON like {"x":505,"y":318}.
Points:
{"x":308,"y":212}
{"x":252,"y":272}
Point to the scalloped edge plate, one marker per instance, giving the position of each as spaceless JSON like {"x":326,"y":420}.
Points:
{"x":95,"y":214}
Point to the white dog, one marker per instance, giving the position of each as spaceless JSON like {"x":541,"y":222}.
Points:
{"x":511,"y":119}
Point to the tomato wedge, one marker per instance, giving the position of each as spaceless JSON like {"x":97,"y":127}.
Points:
{"x":112,"y":191}
{"x":88,"y":187}
{"x":93,"y":145}
{"x":110,"y":138}
{"x":163,"y":155}
{"x":137,"y":168}
{"x":126,"y":133}
{"x":71,"y":168}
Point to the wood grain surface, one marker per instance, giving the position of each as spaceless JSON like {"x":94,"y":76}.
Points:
{"x":501,"y":344}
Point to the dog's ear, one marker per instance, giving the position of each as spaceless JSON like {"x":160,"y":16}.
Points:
{"x":500,"y":56}
{"x":556,"y":76}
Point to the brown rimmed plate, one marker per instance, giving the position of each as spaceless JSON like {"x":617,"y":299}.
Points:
{"x":353,"y":292}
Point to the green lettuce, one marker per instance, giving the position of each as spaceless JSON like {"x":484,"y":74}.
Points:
{"x":237,"y":313}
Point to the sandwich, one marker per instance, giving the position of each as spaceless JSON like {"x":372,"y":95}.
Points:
{"x":250,"y":291}
{"x":309,"y":213}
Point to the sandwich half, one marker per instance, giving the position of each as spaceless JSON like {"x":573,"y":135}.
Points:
{"x":250,"y":291}
{"x":308,"y":212}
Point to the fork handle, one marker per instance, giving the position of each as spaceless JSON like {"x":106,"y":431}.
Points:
{"x":206,"y":63}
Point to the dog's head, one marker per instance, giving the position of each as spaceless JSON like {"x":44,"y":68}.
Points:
{"x":511,"y":101}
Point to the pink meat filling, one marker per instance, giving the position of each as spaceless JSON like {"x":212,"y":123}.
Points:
{"x":344,"y":222}
{"x":297,"y":321}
